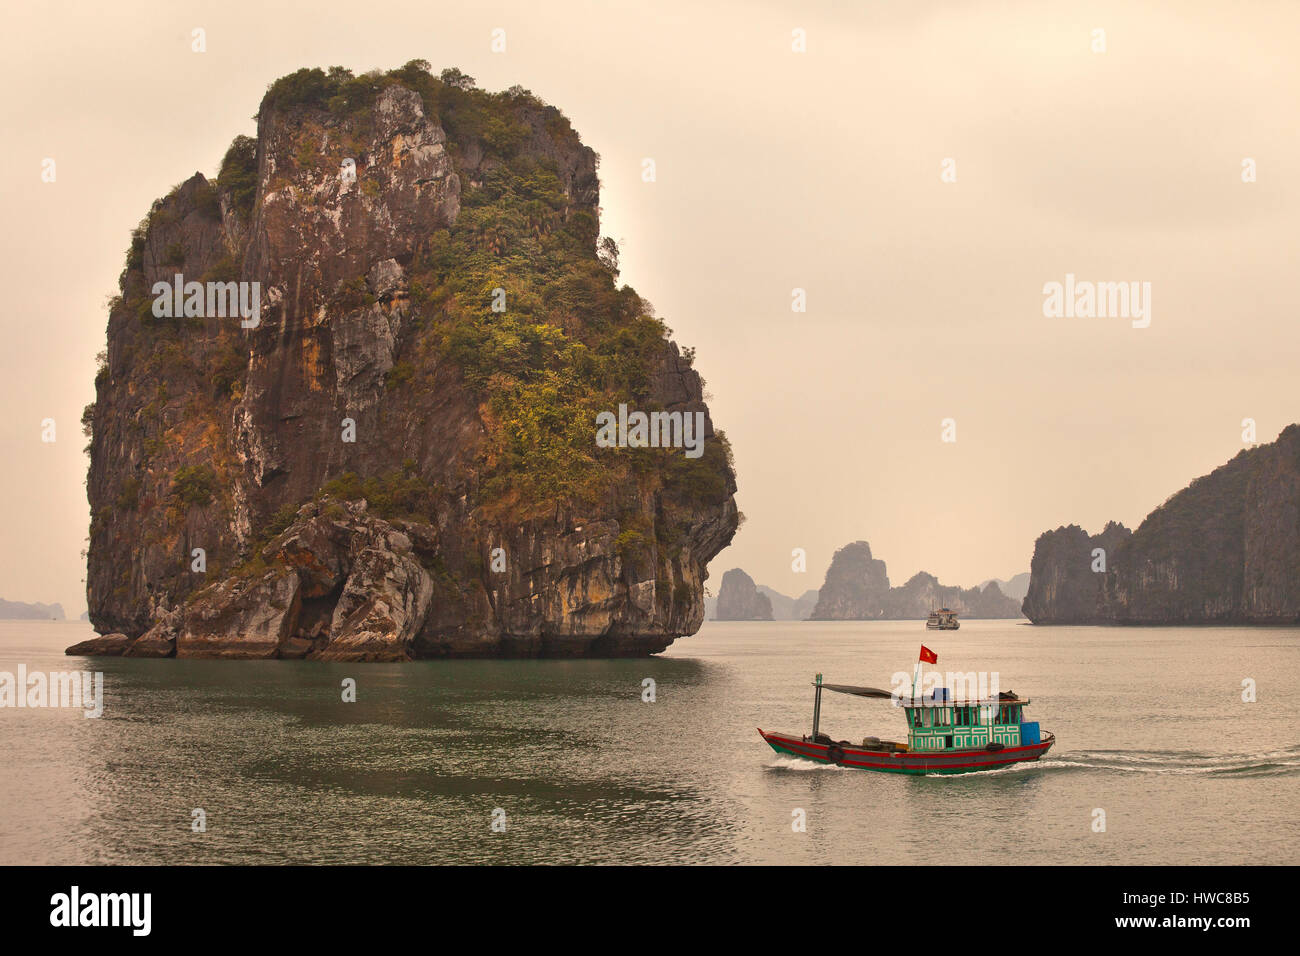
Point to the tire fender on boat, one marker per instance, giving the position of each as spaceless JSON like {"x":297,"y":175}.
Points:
{"x":994,"y":745}
{"x":835,"y":753}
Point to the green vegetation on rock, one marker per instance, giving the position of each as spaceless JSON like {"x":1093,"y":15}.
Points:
{"x":194,"y":484}
{"x":238,"y":173}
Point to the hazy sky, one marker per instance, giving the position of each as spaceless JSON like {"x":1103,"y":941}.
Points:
{"x":775,"y":170}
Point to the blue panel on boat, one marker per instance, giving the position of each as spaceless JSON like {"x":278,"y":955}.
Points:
{"x":1029,"y":734}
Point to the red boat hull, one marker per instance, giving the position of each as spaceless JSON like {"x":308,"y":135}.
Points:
{"x":950,"y":761}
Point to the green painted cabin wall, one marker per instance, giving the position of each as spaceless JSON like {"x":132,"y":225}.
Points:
{"x":934,"y":738}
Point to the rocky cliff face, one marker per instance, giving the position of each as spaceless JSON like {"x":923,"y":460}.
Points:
{"x":1062,"y":585}
{"x":396,"y":458}
{"x":1226,"y":549}
{"x":740,"y":600}
{"x":857,"y":589}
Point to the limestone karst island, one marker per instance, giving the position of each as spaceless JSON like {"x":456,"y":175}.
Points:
{"x":394,"y":457}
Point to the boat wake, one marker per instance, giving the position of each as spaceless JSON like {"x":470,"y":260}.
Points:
{"x":1271,"y":763}
{"x":795,"y":763}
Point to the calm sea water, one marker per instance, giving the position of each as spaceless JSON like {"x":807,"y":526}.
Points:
{"x":1150,"y":728}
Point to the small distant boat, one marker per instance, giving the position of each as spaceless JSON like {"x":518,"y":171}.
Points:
{"x":943,"y":735}
{"x":942,"y":620}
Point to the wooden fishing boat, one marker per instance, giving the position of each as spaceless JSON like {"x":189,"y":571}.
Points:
{"x":943,"y":735}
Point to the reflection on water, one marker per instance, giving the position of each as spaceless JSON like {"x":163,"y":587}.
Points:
{"x":1150,"y":727}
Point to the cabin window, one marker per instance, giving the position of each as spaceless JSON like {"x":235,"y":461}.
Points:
{"x":916,"y":717}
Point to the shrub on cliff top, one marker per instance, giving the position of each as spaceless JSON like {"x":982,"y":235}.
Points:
{"x":238,"y":173}
{"x":451,"y":98}
{"x":310,"y":86}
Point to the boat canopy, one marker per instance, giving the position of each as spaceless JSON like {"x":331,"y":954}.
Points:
{"x":857,"y":691}
{"x":1004,"y":697}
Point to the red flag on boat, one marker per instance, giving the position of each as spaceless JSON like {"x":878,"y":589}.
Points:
{"x":928,"y":656}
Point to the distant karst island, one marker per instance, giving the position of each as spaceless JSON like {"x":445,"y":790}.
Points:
{"x":1016,"y":587}
{"x":388,"y":452}
{"x":857,"y":589}
{"x":1224,"y":550}
{"x":20,"y":611}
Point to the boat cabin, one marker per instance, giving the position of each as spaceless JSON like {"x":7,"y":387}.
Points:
{"x":937,"y":723}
